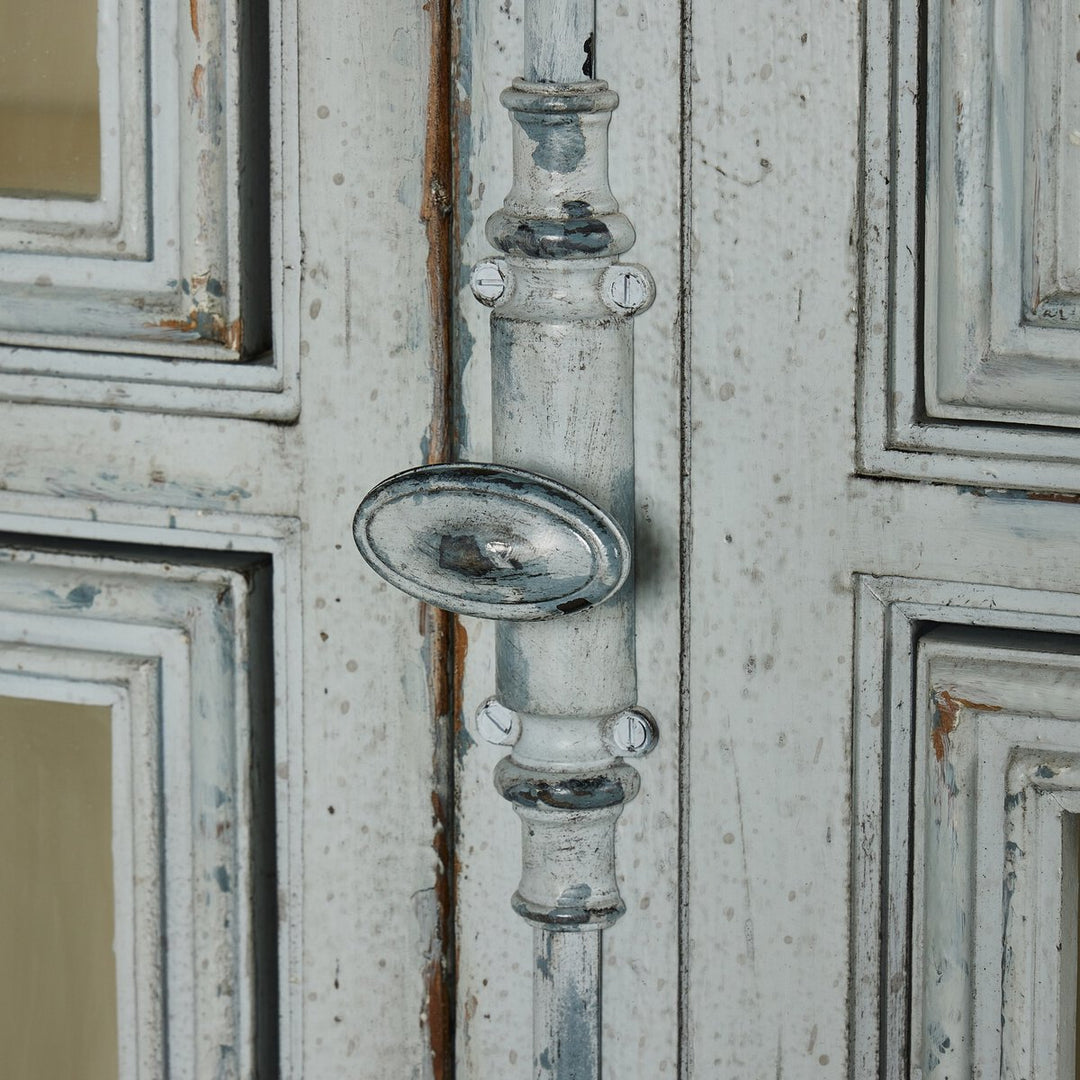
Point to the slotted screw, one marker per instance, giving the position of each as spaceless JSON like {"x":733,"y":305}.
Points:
{"x":627,"y":288}
{"x":488,"y":280}
{"x":497,"y":724}
{"x":633,"y":732}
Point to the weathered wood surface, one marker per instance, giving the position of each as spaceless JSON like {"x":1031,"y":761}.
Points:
{"x":757,"y":984}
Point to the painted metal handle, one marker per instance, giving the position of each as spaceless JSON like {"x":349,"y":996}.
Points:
{"x":492,"y":542}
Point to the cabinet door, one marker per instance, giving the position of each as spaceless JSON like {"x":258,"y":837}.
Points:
{"x":177,"y":551}
{"x":856,"y":520}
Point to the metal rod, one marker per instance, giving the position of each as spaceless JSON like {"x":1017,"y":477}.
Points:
{"x":566,"y":1005}
{"x":559,"y":37}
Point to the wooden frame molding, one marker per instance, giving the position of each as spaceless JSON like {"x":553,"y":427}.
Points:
{"x":969,"y":344}
{"x":181,"y":653}
{"x":149,"y":297}
{"x":965,"y":720}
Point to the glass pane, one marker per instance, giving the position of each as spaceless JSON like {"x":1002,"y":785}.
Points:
{"x":57,"y":972}
{"x":49,"y":138}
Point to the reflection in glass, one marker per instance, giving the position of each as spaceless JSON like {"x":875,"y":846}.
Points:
{"x":49,"y":129}
{"x":57,"y":972}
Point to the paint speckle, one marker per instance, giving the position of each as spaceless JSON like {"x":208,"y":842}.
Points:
{"x":82,"y":596}
{"x":339,"y":179}
{"x":322,"y":112}
{"x":726,"y":392}
{"x":314,"y":308}
{"x":221,"y":876}
{"x":729,"y":838}
{"x":587,"y":68}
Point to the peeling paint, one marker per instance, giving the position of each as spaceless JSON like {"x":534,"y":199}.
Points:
{"x":208,"y":325}
{"x":558,"y":141}
{"x":82,"y":596}
{"x":1020,"y":494}
{"x":946,"y":711}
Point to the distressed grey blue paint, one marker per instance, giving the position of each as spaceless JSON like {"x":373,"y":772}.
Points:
{"x":559,"y":143}
{"x":566,"y":1005}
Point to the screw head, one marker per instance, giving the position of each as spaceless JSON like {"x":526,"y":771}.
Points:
{"x":627,"y":289}
{"x":488,"y":280}
{"x":633,"y":732}
{"x":497,"y":724}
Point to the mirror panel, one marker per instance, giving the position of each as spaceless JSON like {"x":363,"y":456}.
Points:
{"x":58,"y":1012}
{"x":49,"y":117}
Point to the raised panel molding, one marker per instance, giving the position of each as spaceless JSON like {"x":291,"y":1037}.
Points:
{"x":996,"y":747}
{"x":967,"y":782}
{"x":176,"y":291}
{"x":970,"y":350}
{"x":180,"y":651}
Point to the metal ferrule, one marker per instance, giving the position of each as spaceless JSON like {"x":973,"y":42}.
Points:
{"x":568,"y":842}
{"x":560,"y":205}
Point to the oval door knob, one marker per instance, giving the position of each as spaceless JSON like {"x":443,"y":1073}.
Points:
{"x":491,"y":541}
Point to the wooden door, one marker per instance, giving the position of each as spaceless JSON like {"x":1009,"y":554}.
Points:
{"x":854,"y":850}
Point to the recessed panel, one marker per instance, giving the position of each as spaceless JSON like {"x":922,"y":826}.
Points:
{"x":971,"y":241}
{"x":58,"y":1003}
{"x":967,"y":789}
{"x":168,"y":254}
{"x":181,"y":654}
{"x":1002,"y":337}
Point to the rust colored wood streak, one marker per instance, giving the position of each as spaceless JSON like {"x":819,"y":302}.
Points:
{"x":443,"y":637}
{"x":945,"y":719}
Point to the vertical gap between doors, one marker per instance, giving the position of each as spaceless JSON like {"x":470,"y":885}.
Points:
{"x":443,"y":636}
{"x":684,"y":1064}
